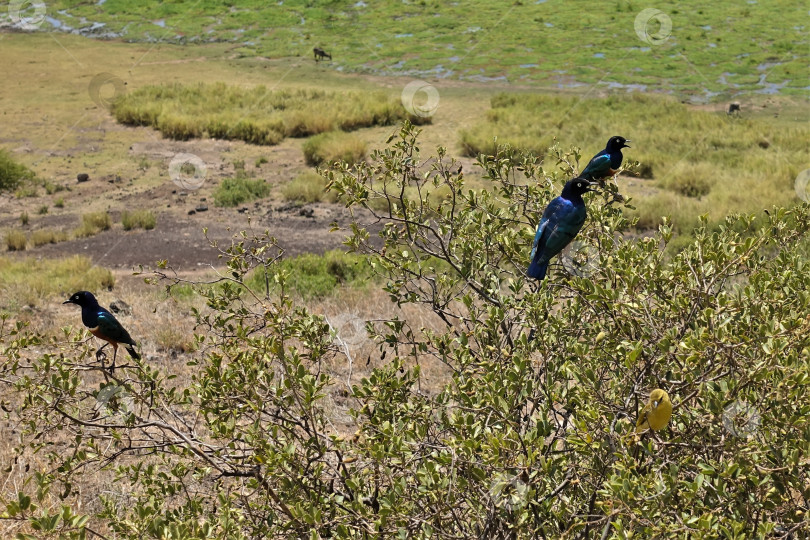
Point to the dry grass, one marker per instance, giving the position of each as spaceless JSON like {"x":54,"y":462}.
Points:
{"x":48,"y":236}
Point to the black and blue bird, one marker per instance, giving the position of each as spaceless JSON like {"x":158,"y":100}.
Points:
{"x":103,"y":325}
{"x":607,"y":162}
{"x":561,"y":221}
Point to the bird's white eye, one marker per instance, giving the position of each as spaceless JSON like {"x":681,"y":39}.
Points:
{"x":579,"y":184}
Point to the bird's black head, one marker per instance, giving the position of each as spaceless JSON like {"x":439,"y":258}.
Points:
{"x":576,"y":188}
{"x":616,"y":143}
{"x":82,"y":298}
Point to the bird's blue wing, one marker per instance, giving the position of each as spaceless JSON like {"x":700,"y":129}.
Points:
{"x":598,"y":167}
{"x":109,"y":327}
{"x":569,"y":223}
{"x":539,"y":258}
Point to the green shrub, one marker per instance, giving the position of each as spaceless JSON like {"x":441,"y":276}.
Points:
{"x":24,"y":218}
{"x":59,"y":203}
{"x":134,"y":219}
{"x":327,"y":148}
{"x":13,"y":174}
{"x":43,"y":210}
{"x":480,"y":404}
{"x":316,"y":276}
{"x":308,"y":187}
{"x":235,"y":191}
{"x":16,"y":240}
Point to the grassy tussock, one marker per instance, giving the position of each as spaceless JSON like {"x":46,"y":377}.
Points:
{"x":255,"y":115}
{"x":16,"y":241}
{"x":235,"y":191}
{"x":28,"y":281}
{"x":308,"y":187}
{"x":93,"y":223}
{"x":41,"y":237}
{"x":707,"y":162}
{"x":135,"y":219}
{"x":327,"y":148}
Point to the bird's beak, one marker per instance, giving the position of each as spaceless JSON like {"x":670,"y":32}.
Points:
{"x":589,"y":185}
{"x":655,"y":404}
{"x":625,"y":145}
{"x":68,"y":301}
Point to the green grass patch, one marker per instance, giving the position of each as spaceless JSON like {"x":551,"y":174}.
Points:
{"x":235,"y":191}
{"x":308,"y":187}
{"x":256,"y":115}
{"x":316,"y":276}
{"x":552,"y":43}
{"x":29,"y":281}
{"x":143,"y":219}
{"x":327,"y":148}
{"x":13,"y":174}
{"x":93,"y":223}
{"x":705,"y":162}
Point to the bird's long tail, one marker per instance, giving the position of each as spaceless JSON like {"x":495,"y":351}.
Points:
{"x":133,"y":353}
{"x":537,"y":270}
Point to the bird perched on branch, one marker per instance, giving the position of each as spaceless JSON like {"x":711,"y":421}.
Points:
{"x":562,"y":219}
{"x":656,"y":413}
{"x":103,"y":325}
{"x":607,"y":162}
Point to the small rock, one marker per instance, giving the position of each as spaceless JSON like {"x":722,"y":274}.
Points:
{"x":307,"y":212}
{"x":201,"y":208}
{"x":242,"y":210}
{"x":192,"y":212}
{"x":182,"y":193}
{"x":120,"y":307}
{"x":82,"y":177}
{"x":174,"y":191}
{"x":202,"y":199}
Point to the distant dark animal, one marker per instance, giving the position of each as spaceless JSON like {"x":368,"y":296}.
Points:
{"x":320,"y":54}
{"x":82,"y":177}
{"x":734,"y":108}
